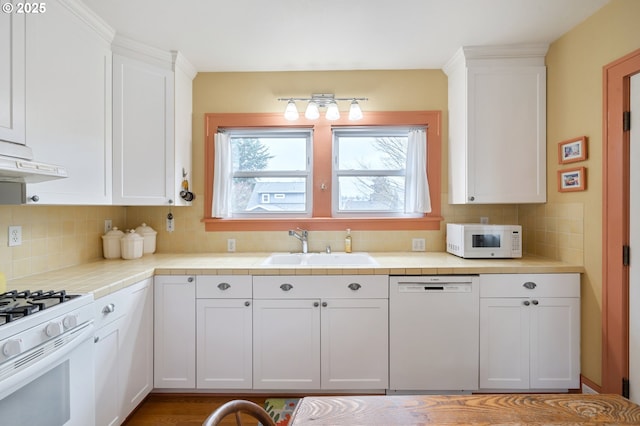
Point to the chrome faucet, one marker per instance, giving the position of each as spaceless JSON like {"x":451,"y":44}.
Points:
{"x":302,"y":236}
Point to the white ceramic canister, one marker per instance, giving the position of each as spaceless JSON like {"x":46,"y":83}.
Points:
{"x":149,"y":236}
{"x":111,"y":243}
{"x":131,"y":245}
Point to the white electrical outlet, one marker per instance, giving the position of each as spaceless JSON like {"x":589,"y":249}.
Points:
{"x":484,"y":220}
{"x":15,"y":236}
{"x":107,"y":225}
{"x":418,"y":244}
{"x":231,"y":245}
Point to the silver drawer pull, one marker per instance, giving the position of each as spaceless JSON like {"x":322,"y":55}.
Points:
{"x":286,"y":287}
{"x":109,"y":308}
{"x":224,"y":286}
{"x":354,"y":286}
{"x":530,"y":285}
{"x":190,"y":279}
{"x":247,"y":303}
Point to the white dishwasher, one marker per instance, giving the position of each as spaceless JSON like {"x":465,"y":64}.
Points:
{"x":433,"y":333}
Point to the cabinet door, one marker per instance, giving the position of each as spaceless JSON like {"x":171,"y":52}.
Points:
{"x":68,"y":104}
{"x":174,"y":332}
{"x":12,"y":77}
{"x":224,"y":348}
{"x":107,"y":381}
{"x":143,"y":133}
{"x":355,"y":344}
{"x":136,"y":347}
{"x":286,"y":344}
{"x":504,"y":343}
{"x":555,"y":343}
{"x":506,"y":134}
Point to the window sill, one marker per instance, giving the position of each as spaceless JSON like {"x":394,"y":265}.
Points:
{"x":427,"y":223}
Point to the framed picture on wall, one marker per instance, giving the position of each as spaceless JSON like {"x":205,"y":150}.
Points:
{"x":572,"y":179}
{"x":572,"y":150}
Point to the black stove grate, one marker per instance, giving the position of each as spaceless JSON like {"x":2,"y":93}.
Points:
{"x":16,"y":304}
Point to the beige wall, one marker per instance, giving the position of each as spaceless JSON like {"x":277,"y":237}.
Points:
{"x":574,"y":108}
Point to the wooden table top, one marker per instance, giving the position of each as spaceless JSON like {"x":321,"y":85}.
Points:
{"x":494,"y":409}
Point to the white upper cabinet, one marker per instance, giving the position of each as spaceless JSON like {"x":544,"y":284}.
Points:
{"x":12,"y":88}
{"x":497,"y":125}
{"x":152,"y":105}
{"x":68,"y":101}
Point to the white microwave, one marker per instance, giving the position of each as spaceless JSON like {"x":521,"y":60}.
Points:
{"x":475,"y":240}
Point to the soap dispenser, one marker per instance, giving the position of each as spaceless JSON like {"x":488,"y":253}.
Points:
{"x":347,"y":242}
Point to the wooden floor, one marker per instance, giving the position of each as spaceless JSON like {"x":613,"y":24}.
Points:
{"x":184,"y":410}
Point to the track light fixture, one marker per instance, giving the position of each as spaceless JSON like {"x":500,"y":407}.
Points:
{"x":322,"y":100}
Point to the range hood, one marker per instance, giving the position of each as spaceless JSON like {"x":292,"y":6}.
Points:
{"x":17,"y":165}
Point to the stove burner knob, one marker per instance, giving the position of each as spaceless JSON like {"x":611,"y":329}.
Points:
{"x":53,"y":329}
{"x":13,"y":347}
{"x":70,"y":321}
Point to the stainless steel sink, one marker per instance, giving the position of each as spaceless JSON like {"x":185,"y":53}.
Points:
{"x":320,"y":259}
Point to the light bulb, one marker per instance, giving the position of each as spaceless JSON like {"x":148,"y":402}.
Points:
{"x":332,"y":111}
{"x":312,"y":112}
{"x":291,"y":112}
{"x":355,"y":113}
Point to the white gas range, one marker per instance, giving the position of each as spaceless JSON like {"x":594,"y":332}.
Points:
{"x":46,"y":358}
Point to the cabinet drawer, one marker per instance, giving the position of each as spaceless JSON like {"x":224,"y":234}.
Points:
{"x":223,"y":287}
{"x":321,"y":286}
{"x":109,"y":308}
{"x":115,"y":305}
{"x":530,"y":285}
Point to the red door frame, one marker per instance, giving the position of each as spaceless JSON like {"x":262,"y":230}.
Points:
{"x":615,"y":218}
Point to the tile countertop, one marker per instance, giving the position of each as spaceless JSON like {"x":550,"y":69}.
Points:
{"x":107,"y":276}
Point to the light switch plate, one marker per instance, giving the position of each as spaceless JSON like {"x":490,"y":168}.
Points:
{"x":231,"y":245}
{"x":15,"y":236}
{"x":107,"y":225}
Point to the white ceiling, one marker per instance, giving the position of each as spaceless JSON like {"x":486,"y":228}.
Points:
{"x":297,"y":35}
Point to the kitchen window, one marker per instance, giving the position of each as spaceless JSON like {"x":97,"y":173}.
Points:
{"x":321,"y":193}
{"x":372,"y":173}
{"x":263,"y":173}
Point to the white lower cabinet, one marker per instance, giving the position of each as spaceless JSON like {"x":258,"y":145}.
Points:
{"x":224,"y":332}
{"x":123,"y":352}
{"x":529,"y":331}
{"x":320,"y":332}
{"x":174,"y":332}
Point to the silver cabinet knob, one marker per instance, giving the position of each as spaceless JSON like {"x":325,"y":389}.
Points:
{"x":354,"y":286}
{"x":529,"y":285}
{"x":535,"y":302}
{"x":190,"y":279}
{"x":526,"y":303}
{"x":286,"y":287}
{"x":224,"y":286}
{"x":109,"y":308}
{"x":34,"y":198}
{"x":324,"y":304}
{"x":472,"y":198}
{"x":247,"y":303}
{"x":316,"y":304}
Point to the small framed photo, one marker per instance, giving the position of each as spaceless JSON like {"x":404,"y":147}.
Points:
{"x":572,"y":150}
{"x":572,"y":179}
